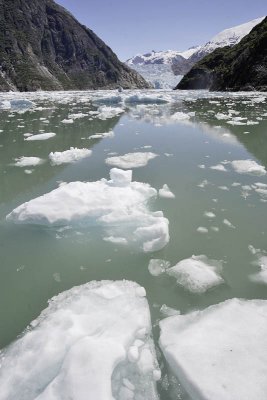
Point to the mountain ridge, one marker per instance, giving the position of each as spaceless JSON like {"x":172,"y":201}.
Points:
{"x":44,"y":47}
{"x":241,"y":67}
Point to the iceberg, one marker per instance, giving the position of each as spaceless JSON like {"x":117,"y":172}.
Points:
{"x":92,"y":342}
{"x":119,"y":205}
{"x":221,"y":352}
{"x":131,"y":160}
{"x":197,"y":274}
{"x":28,"y":161}
{"x":69,"y":156}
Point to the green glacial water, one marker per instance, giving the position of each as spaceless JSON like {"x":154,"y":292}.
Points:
{"x":38,"y":262}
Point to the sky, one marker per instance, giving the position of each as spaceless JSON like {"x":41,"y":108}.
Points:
{"x":130,"y":27}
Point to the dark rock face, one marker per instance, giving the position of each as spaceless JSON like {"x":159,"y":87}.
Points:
{"x":242,"y":67}
{"x":42,"y":46}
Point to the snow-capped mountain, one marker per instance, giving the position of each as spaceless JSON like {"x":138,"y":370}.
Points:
{"x":161,"y":57}
{"x":179,"y":63}
{"x":228,"y":37}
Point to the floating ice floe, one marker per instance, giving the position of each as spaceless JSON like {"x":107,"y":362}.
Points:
{"x":219,"y":167}
{"x":69,"y":156}
{"x":105,"y":112}
{"x":261,"y":262}
{"x":202,"y":229}
{"x":93,"y":341}
{"x":28,"y":161}
{"x":221,"y":352}
{"x":209,"y":214}
{"x":16,"y":104}
{"x":102,"y":135}
{"x":40,"y":136}
{"x":131,"y":160}
{"x":228,"y":223}
{"x":119,"y":205}
{"x":248,"y":167}
{"x":157,"y":267}
{"x":146,"y":99}
{"x":197,"y":274}
{"x":166,"y":193}
{"x":67,"y":121}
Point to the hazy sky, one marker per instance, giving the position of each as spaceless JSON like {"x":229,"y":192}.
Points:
{"x":137,"y":26}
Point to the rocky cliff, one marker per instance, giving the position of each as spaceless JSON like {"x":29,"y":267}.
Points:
{"x":42,"y":46}
{"x":242,"y":67}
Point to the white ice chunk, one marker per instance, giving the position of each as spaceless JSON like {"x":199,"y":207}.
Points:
{"x":131,"y":160}
{"x":68,"y":156}
{"x":197,"y":274}
{"x":219,"y":167}
{"x":28,"y":161}
{"x":248,"y":167}
{"x":157,"y":267}
{"x":261,"y":276}
{"x":221,"y":352}
{"x":77,"y":349}
{"x":166,"y":193}
{"x":119,"y":205}
{"x":40,"y":136}
{"x":102,"y":135}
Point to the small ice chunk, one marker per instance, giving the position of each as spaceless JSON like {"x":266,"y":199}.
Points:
{"x":28,"y":161}
{"x":102,"y":135}
{"x":219,"y":167}
{"x":40,"y":136}
{"x":209,"y":214}
{"x":221,"y":352}
{"x":228,"y":223}
{"x":67,"y":121}
{"x":260,"y":276}
{"x":166,"y":193}
{"x":115,"y":240}
{"x":131,"y":160}
{"x":68,"y":156}
{"x":157,"y":267}
{"x":202,"y":229}
{"x":197,"y":274}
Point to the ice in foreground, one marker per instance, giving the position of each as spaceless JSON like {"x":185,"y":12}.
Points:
{"x":92,"y":342}
{"x":219,"y":353}
{"x":197,"y":274}
{"x":119,"y":205}
{"x":69,"y":156}
{"x":40,"y":136}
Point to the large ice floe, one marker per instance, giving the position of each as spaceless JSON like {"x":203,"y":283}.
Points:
{"x":119,"y":205}
{"x":69,"y":156}
{"x":92,"y":342}
{"x":221,"y":352}
{"x":131,"y":160}
{"x":248,"y":167}
{"x":197,"y":274}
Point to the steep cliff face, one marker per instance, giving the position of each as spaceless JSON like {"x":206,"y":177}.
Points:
{"x":42,"y":46}
{"x":242,"y":67}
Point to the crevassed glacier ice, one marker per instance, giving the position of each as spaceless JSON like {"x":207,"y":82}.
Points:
{"x":197,"y":274}
{"x":221,"y":352}
{"x":69,"y":156}
{"x":81,"y":347}
{"x":119,"y":205}
{"x":131,"y":160}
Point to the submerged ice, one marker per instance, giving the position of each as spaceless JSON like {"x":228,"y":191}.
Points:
{"x":119,"y":205}
{"x":92,"y":342}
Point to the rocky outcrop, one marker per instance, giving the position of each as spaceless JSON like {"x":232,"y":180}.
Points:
{"x":42,"y":46}
{"x":242,"y":67}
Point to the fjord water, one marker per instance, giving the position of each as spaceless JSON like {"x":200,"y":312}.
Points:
{"x":38,"y":262}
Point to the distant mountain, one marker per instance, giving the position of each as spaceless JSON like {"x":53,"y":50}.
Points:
{"x":182,"y":61}
{"x":228,"y":37}
{"x":241,"y":67}
{"x":42,"y":46}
